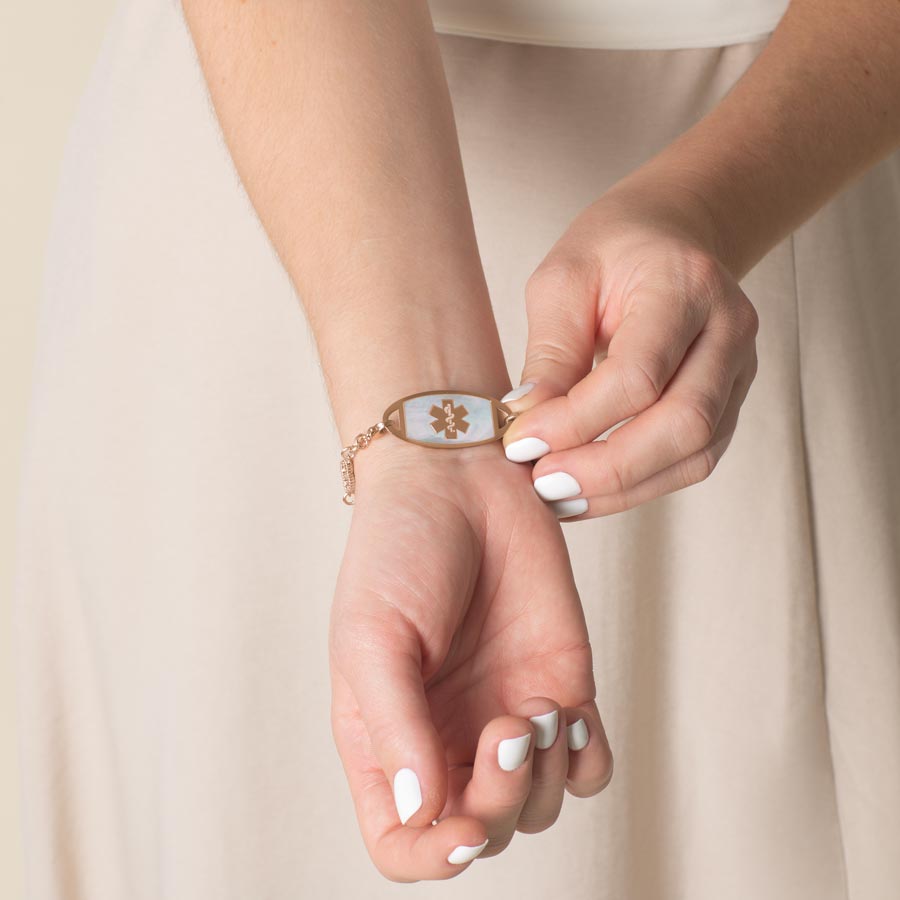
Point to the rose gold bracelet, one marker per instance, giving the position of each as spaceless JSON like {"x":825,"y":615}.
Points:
{"x":447,"y":419}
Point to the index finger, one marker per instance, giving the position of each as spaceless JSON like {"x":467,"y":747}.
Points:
{"x":643,"y":355}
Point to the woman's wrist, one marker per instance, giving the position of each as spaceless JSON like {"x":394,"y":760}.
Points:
{"x":360,"y":410}
{"x":664,"y":194}
{"x":441,"y":339}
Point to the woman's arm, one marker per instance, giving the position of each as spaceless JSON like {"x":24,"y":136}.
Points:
{"x":649,"y":273}
{"x":455,"y":617}
{"x":818,"y":106}
{"x":338,"y":118}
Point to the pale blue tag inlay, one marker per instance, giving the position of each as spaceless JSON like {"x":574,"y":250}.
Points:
{"x":457,"y":419}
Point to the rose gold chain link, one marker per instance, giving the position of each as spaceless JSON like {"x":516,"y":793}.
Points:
{"x":348,"y":474}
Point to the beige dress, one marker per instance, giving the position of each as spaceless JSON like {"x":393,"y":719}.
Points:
{"x":181,"y":523}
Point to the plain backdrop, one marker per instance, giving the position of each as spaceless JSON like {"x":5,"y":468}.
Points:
{"x":46,"y":52}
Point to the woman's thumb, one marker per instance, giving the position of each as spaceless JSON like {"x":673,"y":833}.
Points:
{"x":381,"y":663}
{"x":561,"y":304}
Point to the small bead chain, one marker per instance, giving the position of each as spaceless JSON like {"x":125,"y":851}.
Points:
{"x":360,"y":442}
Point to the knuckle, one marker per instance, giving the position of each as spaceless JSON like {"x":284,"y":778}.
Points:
{"x":619,"y":503}
{"x":705,"y":272}
{"x":606,"y":772}
{"x":393,"y":876}
{"x":589,"y":786}
{"x":390,"y":871}
{"x":747,"y":320}
{"x":698,"y":467}
{"x":547,"y":349}
{"x":694,"y":423}
{"x":754,"y":364}
{"x":706,"y":279}
{"x":740,"y":324}
{"x":496,"y":846}
{"x":581,"y":429}
{"x":616,"y":479}
{"x":534,"y":824}
{"x":556,"y":279}
{"x":641,"y":382}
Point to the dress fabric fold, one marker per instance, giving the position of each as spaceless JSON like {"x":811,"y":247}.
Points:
{"x":181,"y":525}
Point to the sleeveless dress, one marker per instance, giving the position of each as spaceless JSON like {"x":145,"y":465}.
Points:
{"x":181,"y":525}
{"x":611,"y":24}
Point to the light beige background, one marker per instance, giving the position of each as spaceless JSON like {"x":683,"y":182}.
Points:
{"x":781,"y":759}
{"x":46,"y":51}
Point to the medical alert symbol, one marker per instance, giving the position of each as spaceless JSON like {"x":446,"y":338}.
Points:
{"x":449,"y":418}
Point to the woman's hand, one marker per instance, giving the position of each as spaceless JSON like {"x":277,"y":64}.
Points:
{"x":633,"y":276}
{"x":456,"y":620}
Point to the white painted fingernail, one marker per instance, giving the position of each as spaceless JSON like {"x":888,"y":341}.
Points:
{"x":566,"y":508}
{"x":511,"y":753}
{"x":557,"y":486}
{"x":577,"y":735}
{"x":407,"y":793}
{"x":517,"y":393}
{"x":546,"y":727}
{"x":463,"y":854}
{"x":526,"y":449}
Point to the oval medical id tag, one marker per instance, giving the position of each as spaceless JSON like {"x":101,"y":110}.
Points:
{"x":448,"y":419}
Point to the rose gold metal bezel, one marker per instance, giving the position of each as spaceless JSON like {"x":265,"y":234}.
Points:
{"x":502,"y":415}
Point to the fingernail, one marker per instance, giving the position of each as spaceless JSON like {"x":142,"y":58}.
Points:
{"x":407,"y":793}
{"x":463,"y":854}
{"x":546,"y":727}
{"x":526,"y":449}
{"x":557,"y":486}
{"x":577,"y":735}
{"x":517,"y":393}
{"x":511,"y":753}
{"x":566,"y":508}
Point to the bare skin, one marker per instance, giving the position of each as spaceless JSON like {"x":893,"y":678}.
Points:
{"x":456,"y":618}
{"x":648,"y":274}
{"x":449,"y":628}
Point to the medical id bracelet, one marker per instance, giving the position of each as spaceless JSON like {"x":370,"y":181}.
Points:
{"x":442,"y":420}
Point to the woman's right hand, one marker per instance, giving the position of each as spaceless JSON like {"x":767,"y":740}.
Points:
{"x":637,"y":278}
{"x":456,"y":621}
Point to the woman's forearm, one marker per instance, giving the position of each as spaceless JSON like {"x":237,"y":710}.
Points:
{"x":339,"y":121}
{"x":819,"y":105}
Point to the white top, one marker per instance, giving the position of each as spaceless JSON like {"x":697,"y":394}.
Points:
{"x":616,"y":24}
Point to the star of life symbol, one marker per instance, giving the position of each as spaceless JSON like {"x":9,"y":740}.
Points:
{"x":450,"y":419}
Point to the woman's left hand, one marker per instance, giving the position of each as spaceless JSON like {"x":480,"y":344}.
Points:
{"x":635,"y":276}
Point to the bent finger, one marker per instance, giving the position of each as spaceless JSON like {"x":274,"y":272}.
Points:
{"x":501,"y":779}
{"x":590,"y":759}
{"x":644,"y":353}
{"x":685,"y":473}
{"x":549,"y":768}
{"x":683,"y":422}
